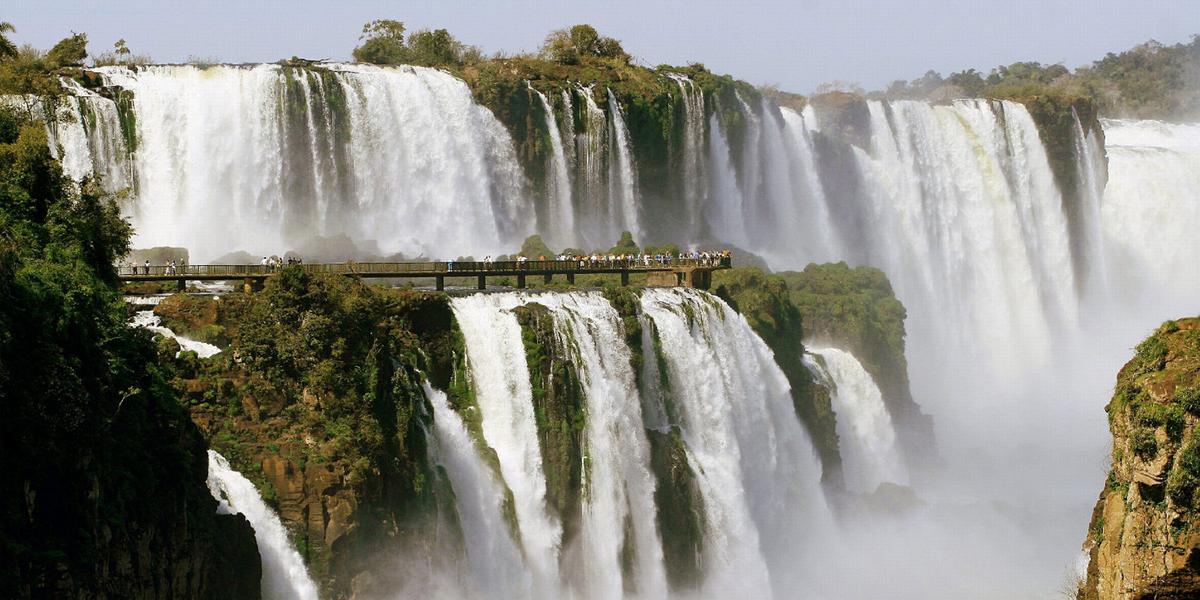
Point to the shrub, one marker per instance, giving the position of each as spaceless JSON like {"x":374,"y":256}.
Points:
{"x":1152,"y":354}
{"x":1188,"y":398}
{"x":1143,"y":443}
{"x":1184,"y":478}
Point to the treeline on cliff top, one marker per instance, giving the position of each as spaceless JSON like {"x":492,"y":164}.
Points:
{"x":1148,"y":81}
{"x":1151,"y":80}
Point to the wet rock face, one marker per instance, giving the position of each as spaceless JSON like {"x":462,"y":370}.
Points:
{"x":1144,"y":538}
{"x":845,"y":116}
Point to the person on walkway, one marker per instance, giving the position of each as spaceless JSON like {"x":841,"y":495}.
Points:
{"x":147,"y":266}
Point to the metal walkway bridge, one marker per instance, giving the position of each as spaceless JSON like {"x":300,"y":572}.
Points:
{"x":676,"y":272}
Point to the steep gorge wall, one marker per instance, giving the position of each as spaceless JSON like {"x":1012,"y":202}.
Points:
{"x":1144,"y":536}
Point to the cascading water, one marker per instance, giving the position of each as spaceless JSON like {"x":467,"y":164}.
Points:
{"x":962,"y":212}
{"x":496,"y":357}
{"x":151,"y":321}
{"x":560,"y":229}
{"x":84,"y":132}
{"x":724,"y":211}
{"x":1149,"y":213}
{"x":757,"y":475}
{"x":591,"y":189}
{"x":866,"y":436}
{"x":695,"y":191}
{"x":620,"y":486}
{"x":496,"y":563}
{"x":622,"y":178}
{"x":267,"y":158}
{"x":1091,"y":175}
{"x":284,"y":576}
{"x":754,"y":463}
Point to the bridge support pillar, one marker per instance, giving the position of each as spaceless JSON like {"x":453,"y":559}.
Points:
{"x":181,"y":285}
{"x":482,"y":283}
{"x":520,"y":282}
{"x":571,"y":278}
{"x":440,"y":282}
{"x":547,"y":278}
{"x":625,"y":278}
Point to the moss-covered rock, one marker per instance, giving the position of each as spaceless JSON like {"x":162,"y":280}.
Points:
{"x":560,"y":414}
{"x":855,"y":309}
{"x":1144,"y":538}
{"x":318,"y":401}
{"x":765,"y":302}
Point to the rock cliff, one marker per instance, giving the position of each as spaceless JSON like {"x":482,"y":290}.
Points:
{"x":1144,"y":537}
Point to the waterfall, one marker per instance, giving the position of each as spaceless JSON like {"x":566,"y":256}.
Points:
{"x":1090,"y":175}
{"x":496,"y":357}
{"x":266,"y":158}
{"x":622,"y":179}
{"x":592,"y":190}
{"x":619,"y":486}
{"x":750,"y":180}
{"x":963,"y":214}
{"x":284,"y":576}
{"x":560,"y":229}
{"x":693,"y":174}
{"x":754,"y":463}
{"x":496,"y":563}
{"x":724,"y":211}
{"x":151,"y":321}
{"x":866,"y":436}
{"x":1149,"y":213}
{"x":819,"y":239}
{"x":84,"y":133}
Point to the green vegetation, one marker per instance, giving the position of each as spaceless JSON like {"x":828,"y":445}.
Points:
{"x":559,"y":410}
{"x":1147,"y":81}
{"x":1158,"y":390}
{"x":855,"y":309}
{"x":1188,"y":398}
{"x":326,"y":371}
{"x":7,"y":48}
{"x":765,"y":301}
{"x":851,"y":307}
{"x":383,"y":43}
{"x":1185,"y":477}
{"x":100,"y":463}
{"x":579,"y":44}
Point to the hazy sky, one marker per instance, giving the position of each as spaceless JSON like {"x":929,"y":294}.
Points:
{"x":797,"y":44}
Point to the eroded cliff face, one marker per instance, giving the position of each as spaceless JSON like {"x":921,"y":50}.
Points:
{"x":1144,"y":538}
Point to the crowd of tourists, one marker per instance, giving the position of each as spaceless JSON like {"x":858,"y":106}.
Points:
{"x":274,"y":263}
{"x":596,"y":260}
{"x":171,"y":267}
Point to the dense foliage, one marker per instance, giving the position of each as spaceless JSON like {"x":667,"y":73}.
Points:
{"x":322,"y":374}
{"x":95,"y":450}
{"x":1151,"y":80}
{"x":581,"y":43}
{"x":852,"y":307}
{"x":384,"y":43}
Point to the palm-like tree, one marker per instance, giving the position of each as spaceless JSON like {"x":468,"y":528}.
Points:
{"x":7,"y":48}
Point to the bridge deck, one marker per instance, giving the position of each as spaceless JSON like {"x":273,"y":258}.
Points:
{"x":435,"y":269}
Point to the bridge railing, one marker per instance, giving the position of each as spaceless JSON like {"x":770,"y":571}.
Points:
{"x":432,"y":268}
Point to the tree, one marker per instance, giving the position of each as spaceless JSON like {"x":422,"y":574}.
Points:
{"x":970,"y":82}
{"x":7,"y":48}
{"x":580,"y":43}
{"x":625,"y":245}
{"x":434,"y":48}
{"x":383,"y":43}
{"x":121,"y":50}
{"x":70,"y":52}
